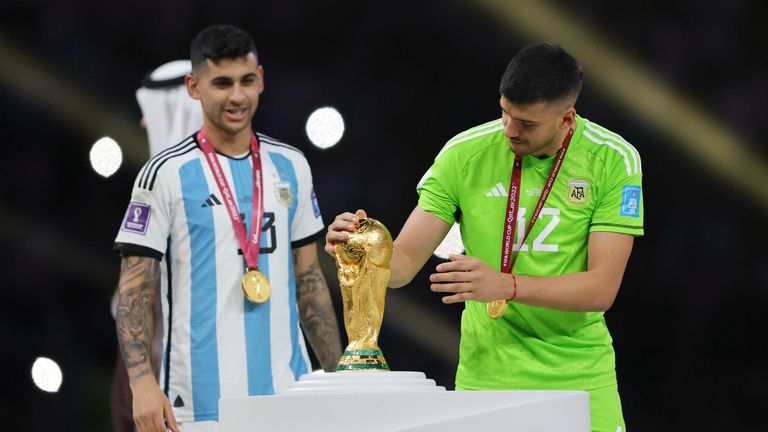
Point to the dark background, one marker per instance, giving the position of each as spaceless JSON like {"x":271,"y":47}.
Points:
{"x":688,"y":323}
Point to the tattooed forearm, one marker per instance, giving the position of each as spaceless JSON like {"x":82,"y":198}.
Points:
{"x":138,"y":374}
{"x":139,"y":277}
{"x":317,"y":315}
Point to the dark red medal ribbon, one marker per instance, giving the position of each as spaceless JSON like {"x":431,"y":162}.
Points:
{"x":507,"y":261}
{"x":250,"y":245}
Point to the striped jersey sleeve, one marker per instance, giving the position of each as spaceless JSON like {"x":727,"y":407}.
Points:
{"x":147,"y":222}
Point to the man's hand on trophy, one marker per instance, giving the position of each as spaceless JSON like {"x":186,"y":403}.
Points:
{"x":471,"y":279}
{"x":338,"y":231}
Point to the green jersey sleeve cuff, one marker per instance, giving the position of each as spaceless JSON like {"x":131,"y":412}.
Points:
{"x":634,"y":230}
{"x":439,"y":204}
{"x":449,"y":218}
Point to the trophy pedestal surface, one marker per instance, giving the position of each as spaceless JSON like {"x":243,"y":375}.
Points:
{"x":362,"y":382}
{"x":401,"y":401}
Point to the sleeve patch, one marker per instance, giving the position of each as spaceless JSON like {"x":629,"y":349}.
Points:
{"x":630,"y":201}
{"x":137,"y":218}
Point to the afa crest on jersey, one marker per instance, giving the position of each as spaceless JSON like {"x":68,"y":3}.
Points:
{"x":578,"y":191}
{"x":284,"y":193}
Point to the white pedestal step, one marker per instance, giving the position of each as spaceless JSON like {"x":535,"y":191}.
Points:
{"x":362,"y":382}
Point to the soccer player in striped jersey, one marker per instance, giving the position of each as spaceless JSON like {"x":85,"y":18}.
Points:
{"x":582,"y":182}
{"x":188,"y":228}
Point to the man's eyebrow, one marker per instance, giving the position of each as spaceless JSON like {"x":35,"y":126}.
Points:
{"x":226,"y":78}
{"x":523,"y":120}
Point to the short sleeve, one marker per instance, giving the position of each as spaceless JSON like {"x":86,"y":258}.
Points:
{"x":620,"y":202}
{"x":307,"y":222}
{"x":439,"y":188}
{"x":145,"y":227}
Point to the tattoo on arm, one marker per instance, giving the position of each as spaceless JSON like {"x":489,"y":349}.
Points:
{"x":317,"y":315}
{"x":139,"y":277}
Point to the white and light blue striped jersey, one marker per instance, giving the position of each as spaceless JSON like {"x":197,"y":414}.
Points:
{"x":217,"y":343}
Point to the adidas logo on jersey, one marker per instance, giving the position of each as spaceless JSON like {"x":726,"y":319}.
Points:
{"x":211,"y":201}
{"x":497,"y":191}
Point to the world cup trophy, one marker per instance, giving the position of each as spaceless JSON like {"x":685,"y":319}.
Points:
{"x":363,"y":268}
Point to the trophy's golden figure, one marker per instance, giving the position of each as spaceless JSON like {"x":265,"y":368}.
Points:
{"x":363,"y":267}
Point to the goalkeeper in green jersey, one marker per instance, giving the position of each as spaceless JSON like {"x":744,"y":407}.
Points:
{"x":549,"y":204}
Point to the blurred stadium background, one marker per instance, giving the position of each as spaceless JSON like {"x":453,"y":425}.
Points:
{"x":685,"y":81}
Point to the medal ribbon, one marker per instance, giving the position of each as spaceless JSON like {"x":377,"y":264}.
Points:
{"x":507,"y":261}
{"x":250,"y":245}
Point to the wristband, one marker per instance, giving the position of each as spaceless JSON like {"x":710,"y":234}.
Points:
{"x":514,"y":285}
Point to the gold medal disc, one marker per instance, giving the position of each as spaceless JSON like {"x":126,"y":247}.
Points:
{"x":496,"y":308}
{"x":256,"y":286}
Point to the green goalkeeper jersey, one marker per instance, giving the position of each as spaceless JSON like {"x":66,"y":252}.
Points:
{"x":598,"y":189}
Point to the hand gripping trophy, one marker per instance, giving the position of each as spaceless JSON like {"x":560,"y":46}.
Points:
{"x":363,"y":267}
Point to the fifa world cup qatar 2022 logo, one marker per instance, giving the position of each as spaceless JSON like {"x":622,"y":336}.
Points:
{"x":136,"y":218}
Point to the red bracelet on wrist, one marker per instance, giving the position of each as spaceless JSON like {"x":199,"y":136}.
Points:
{"x":514,"y":285}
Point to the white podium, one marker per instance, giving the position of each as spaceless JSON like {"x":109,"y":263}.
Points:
{"x":401,"y":401}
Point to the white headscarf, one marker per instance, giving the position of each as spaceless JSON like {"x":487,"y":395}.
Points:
{"x":170,"y":115}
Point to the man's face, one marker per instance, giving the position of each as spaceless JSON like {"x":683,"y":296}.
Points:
{"x":228,"y":91}
{"x":535,"y":128}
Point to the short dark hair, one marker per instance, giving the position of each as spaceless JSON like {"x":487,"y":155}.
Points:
{"x":219,"y":42}
{"x":541,"y":72}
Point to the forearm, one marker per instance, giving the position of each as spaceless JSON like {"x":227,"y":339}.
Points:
{"x":318,"y":318}
{"x":139,"y":277}
{"x":403,"y":267}
{"x":421,"y":234}
{"x":587,"y":291}
{"x":591,"y":290}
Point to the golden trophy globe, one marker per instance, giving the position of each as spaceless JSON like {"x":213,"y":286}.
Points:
{"x":363,"y":267}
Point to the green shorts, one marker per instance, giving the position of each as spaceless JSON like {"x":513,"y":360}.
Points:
{"x":605,"y":410}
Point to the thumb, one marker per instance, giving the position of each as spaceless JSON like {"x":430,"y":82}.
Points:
{"x":361,"y":214}
{"x":169,"y":418}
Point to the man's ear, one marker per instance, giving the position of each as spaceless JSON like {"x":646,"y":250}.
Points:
{"x":191,"y":83}
{"x":261,"y":79}
{"x":569,"y":117}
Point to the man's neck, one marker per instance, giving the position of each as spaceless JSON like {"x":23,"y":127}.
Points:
{"x":554,"y":146}
{"x":229,"y":144}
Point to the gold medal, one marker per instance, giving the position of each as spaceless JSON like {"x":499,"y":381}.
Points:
{"x":496,"y":308}
{"x":256,"y":286}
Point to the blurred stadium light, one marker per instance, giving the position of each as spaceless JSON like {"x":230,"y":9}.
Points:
{"x":325,"y":127}
{"x":46,"y":374}
{"x":106,"y":156}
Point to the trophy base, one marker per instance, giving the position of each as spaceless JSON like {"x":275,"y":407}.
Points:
{"x":362,"y":360}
